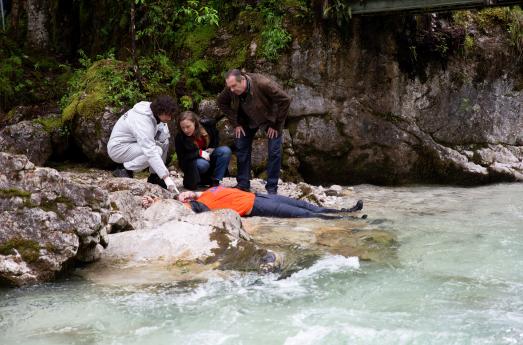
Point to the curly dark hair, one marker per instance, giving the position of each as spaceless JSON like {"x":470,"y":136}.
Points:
{"x":164,"y":105}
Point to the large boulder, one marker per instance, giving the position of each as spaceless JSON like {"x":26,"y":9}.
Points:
{"x":47,"y":222}
{"x":27,"y":138}
{"x":176,"y":245}
{"x":91,"y":134}
{"x":124,"y":197}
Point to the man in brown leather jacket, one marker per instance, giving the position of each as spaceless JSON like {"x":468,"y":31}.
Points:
{"x":252,"y":101}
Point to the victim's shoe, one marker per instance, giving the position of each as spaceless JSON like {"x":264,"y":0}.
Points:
{"x":357,"y":207}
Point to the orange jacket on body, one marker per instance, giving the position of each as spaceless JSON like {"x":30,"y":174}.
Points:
{"x":220,"y":197}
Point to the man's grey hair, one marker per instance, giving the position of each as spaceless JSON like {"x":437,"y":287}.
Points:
{"x":236,"y":73}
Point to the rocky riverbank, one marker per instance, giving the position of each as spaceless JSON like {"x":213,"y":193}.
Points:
{"x":52,"y":222}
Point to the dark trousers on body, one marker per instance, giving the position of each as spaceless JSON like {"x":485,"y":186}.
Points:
{"x":270,"y":205}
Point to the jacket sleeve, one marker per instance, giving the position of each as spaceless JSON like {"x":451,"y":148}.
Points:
{"x":185,"y":152}
{"x":144,"y":133}
{"x":224,"y":103}
{"x":279,"y":97}
{"x":210,"y":127}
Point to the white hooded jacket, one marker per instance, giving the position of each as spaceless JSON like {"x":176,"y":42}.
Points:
{"x":138,"y":125}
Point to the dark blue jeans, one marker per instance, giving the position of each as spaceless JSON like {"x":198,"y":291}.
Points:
{"x":220,"y":158}
{"x":267,"y":205}
{"x":244,"y":154}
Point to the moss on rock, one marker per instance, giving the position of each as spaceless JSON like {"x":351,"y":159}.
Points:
{"x":12,"y":192}
{"x":107,"y":82}
{"x":199,"y":39}
{"x":28,"y":249}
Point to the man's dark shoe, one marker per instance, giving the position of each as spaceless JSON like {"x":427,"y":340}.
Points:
{"x":122,"y":172}
{"x":245,"y":189}
{"x":357,"y":207}
{"x":215,"y":183}
{"x":272,"y":191}
{"x":155,"y":179}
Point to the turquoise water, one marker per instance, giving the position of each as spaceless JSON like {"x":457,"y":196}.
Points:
{"x":458,"y":279}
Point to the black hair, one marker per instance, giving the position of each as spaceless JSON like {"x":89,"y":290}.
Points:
{"x":164,"y":105}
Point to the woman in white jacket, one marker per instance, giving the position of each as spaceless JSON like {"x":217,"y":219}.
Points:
{"x":140,"y":139}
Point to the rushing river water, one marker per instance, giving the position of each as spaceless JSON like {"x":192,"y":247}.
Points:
{"x":458,"y":279}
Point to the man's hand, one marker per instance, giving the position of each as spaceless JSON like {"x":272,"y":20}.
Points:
{"x":171,"y":187}
{"x":205,"y":155}
{"x":238,"y":131}
{"x":272,"y":133}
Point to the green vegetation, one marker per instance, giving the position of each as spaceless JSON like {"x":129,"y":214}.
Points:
{"x":159,"y":75}
{"x":515,"y":29}
{"x":468,"y":44}
{"x":12,"y":192}
{"x":28,"y":249}
{"x":486,"y":20}
{"x":27,"y":78}
{"x":274,"y":36}
{"x":164,"y":23}
{"x":11,"y":73}
{"x":52,"y":205}
{"x":96,"y":85}
{"x":186,"y":102}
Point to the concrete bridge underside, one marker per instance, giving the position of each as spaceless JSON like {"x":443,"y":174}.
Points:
{"x":369,"y":7}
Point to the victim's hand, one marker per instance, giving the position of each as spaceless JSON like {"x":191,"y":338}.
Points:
{"x":147,"y":201}
{"x":186,"y":196}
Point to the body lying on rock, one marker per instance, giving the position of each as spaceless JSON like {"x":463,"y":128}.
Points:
{"x":254,"y":204}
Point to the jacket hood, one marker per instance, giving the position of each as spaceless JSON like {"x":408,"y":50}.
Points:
{"x":143,"y":108}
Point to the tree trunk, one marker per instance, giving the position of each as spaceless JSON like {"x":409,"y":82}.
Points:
{"x":16,"y":5}
{"x":37,"y":22}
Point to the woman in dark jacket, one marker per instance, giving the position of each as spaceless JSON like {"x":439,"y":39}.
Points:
{"x":199,"y":156}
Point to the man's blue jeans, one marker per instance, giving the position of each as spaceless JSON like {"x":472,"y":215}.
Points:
{"x":244,"y":154}
{"x":220,"y":158}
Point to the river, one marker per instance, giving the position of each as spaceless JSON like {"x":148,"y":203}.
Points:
{"x":457,"y":279}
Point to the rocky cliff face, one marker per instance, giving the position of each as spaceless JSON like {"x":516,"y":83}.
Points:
{"x":389,"y":100}
{"x":362,"y":113}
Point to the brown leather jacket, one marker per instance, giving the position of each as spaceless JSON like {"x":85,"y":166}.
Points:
{"x":266,"y":103}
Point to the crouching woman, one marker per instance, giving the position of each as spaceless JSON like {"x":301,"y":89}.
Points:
{"x":202,"y":161}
